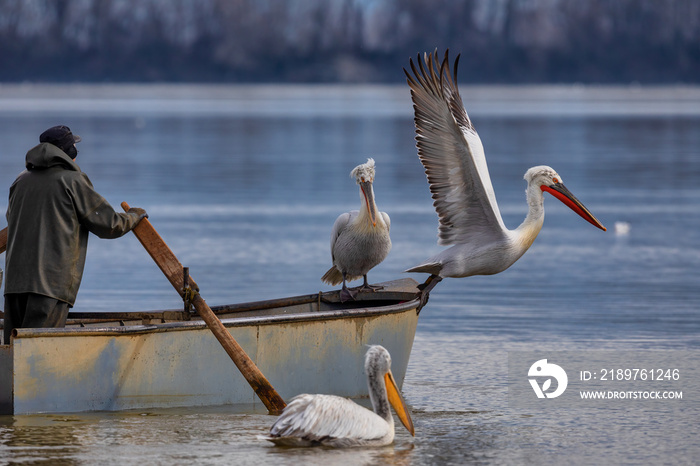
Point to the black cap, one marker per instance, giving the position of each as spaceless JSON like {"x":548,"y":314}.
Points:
{"x":60,"y":136}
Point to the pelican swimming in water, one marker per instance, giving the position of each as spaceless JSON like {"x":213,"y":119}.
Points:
{"x":359,"y":239}
{"x":328,"y":420}
{"x":453,"y":157}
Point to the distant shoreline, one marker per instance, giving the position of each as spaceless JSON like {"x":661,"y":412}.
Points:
{"x":343,"y":100}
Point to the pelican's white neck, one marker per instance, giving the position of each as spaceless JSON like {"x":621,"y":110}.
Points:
{"x":531,"y":226}
{"x":379,"y":398}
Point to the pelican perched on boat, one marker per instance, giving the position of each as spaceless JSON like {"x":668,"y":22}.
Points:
{"x":453,"y":157}
{"x":328,"y":420}
{"x":359,"y":239}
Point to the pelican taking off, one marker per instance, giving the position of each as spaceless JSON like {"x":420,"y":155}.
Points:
{"x":451,"y":153}
{"x":359,"y":239}
{"x":328,"y":420}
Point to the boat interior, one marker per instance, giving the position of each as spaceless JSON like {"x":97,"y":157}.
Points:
{"x":394,"y":293}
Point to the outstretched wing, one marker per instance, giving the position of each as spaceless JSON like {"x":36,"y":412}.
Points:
{"x":452,"y":154}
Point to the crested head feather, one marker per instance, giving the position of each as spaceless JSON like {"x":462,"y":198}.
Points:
{"x":364,"y":172}
{"x":542,"y":174}
{"x":378,"y":358}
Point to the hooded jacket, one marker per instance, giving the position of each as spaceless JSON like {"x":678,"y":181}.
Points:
{"x":52,"y":208}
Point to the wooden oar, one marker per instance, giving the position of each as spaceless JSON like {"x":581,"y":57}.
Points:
{"x":172,"y":268}
{"x":3,"y":240}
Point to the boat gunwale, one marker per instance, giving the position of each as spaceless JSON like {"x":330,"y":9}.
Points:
{"x":411,"y":302}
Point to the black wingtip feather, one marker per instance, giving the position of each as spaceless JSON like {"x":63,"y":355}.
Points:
{"x":456,"y":65}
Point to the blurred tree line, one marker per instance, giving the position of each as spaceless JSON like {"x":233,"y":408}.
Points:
{"x":511,"y":41}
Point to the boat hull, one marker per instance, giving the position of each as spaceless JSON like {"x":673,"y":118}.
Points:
{"x":302,"y":348}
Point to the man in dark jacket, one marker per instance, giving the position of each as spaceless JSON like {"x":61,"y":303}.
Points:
{"x":52,"y":209}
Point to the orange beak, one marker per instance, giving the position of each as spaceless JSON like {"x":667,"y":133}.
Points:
{"x":559,"y":191}
{"x":396,"y":401}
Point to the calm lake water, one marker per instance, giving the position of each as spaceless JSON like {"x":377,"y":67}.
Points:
{"x":244,"y":184}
